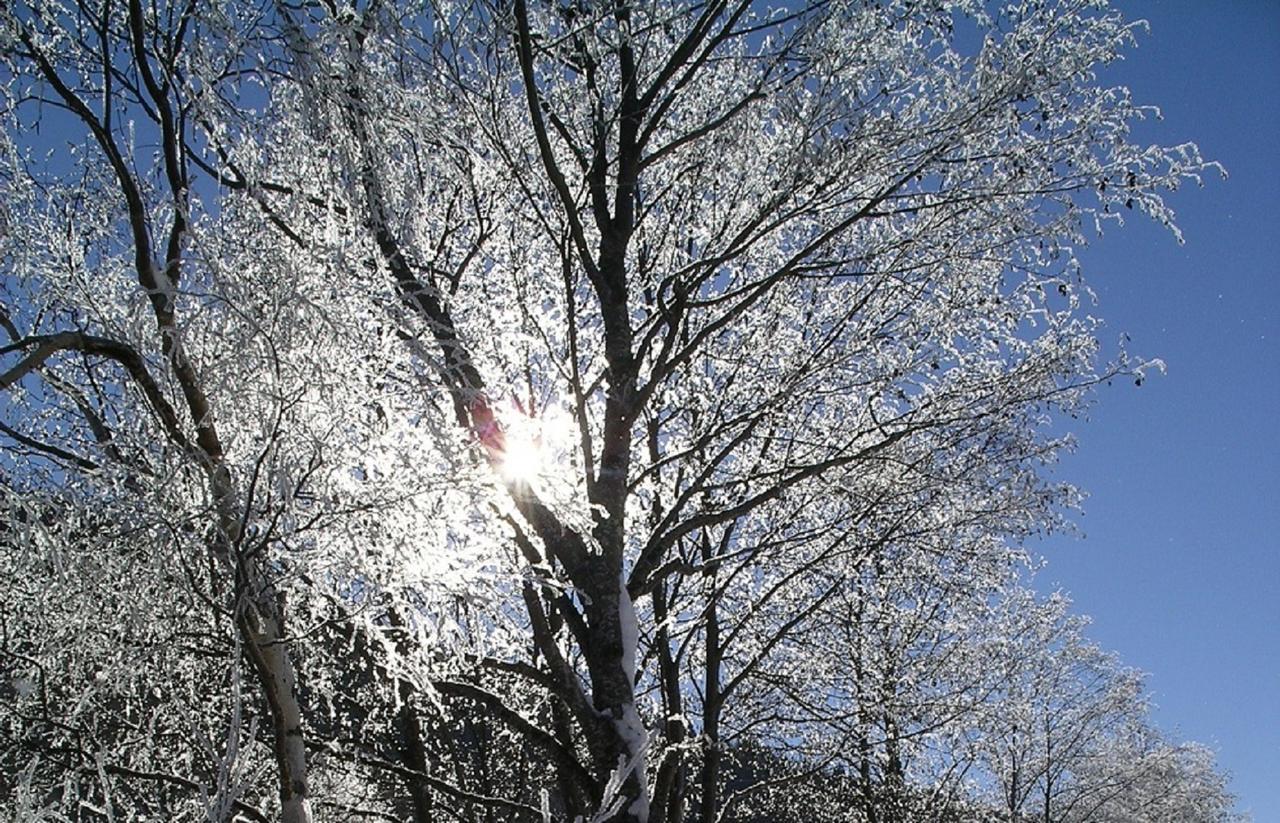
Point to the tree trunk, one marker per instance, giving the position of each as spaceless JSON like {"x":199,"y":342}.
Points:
{"x":414,"y":752}
{"x":711,"y":706}
{"x":711,"y":759}
{"x":262,"y":627}
{"x":611,"y":660}
{"x":670,"y":785}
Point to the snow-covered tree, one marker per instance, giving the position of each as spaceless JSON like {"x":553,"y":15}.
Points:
{"x":506,"y":409}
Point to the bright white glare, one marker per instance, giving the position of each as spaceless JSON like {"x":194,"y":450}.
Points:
{"x":535,"y":446}
{"x":523,"y":458}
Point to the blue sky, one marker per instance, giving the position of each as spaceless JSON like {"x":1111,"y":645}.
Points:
{"x":1180,"y":563}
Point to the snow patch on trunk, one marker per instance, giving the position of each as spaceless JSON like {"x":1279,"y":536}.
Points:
{"x":630,"y":630}
{"x":631,"y":730}
{"x":630,"y":727}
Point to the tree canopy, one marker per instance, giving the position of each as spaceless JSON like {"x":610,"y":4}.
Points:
{"x":552,"y":410}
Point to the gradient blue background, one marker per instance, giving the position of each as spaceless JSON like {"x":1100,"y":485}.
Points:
{"x":1180,"y":563}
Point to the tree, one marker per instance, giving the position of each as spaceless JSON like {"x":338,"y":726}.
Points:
{"x":1066,"y":736}
{"x":514,"y":364}
{"x":1059,"y":699}
{"x":1152,"y":779}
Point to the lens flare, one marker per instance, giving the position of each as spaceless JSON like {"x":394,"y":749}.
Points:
{"x":535,"y":448}
{"x":524,"y":459}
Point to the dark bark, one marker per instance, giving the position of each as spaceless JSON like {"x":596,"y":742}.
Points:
{"x":712,"y":704}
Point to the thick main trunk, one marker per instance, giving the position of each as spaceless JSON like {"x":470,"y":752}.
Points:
{"x":259,"y":611}
{"x":262,"y":629}
{"x":710,"y":800}
{"x":611,"y":661}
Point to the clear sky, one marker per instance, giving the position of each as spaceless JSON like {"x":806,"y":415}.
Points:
{"x":1180,"y":564}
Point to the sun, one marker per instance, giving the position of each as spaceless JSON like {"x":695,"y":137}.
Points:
{"x":523,"y":458}
{"x":535,"y":447}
